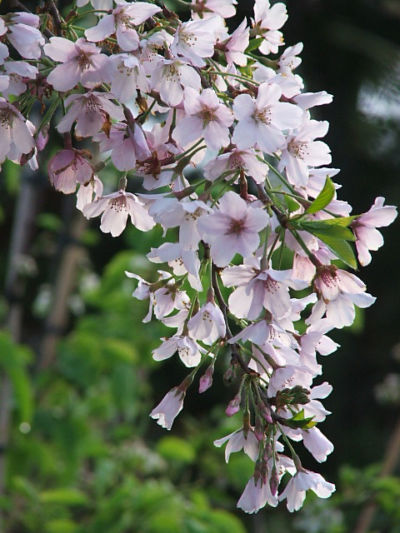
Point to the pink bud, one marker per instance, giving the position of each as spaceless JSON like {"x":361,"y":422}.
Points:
{"x":274,"y":482}
{"x":42,"y":139}
{"x":206,"y":379}
{"x":233,"y":406}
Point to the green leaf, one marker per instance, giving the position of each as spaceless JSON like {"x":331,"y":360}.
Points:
{"x":14,"y":359}
{"x":176,"y":449}
{"x":291,"y":203}
{"x":61,"y":525}
{"x":326,"y":227}
{"x":340,"y":248}
{"x":254,"y":44}
{"x":65,"y":496}
{"x":324,"y":198}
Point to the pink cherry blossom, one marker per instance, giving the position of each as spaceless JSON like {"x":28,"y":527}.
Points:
{"x":256,"y":495}
{"x":180,"y":260}
{"x":89,"y":192}
{"x":68,"y":168}
{"x":81,"y":62}
{"x":205,"y":381}
{"x":19,"y":72}
{"x":259,"y":288}
{"x":169,"y":408}
{"x":91,"y":111}
{"x":208,"y":8}
{"x":240,"y":440}
{"x":302,"y":152}
{"x":317,"y":444}
{"x":364,"y":227}
{"x":268,"y":20}
{"x":15,"y":137}
{"x":208,"y":324}
{"x":127,"y":144}
{"x":188,"y":350}
{"x":295,"y":490}
{"x":206,"y":117}
{"x":195,"y":40}
{"x":339,"y":292}
{"x":236,"y":44}
{"x":122,"y":21}
{"x":237,"y":160}
{"x":24,"y":35}
{"x":115,"y":209}
{"x":263,"y":120}
{"x":233,"y":228}
{"x":170,"y":77}
{"x":127,"y":76}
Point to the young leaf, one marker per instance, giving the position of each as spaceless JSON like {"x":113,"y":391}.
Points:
{"x":254,"y":44}
{"x":324,"y":198}
{"x":340,"y":248}
{"x":324,"y":227}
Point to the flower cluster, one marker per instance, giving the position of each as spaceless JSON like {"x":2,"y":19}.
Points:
{"x":259,"y":273}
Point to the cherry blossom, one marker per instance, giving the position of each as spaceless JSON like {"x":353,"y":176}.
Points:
{"x":91,"y":111}
{"x":207,"y":8}
{"x":81,"y":62}
{"x":122,"y":21}
{"x":295,"y":490}
{"x":169,"y":408}
{"x":237,"y":173}
{"x":15,"y":136}
{"x":238,"y":440}
{"x":205,"y":117}
{"x":364,"y":227}
{"x":233,"y":228}
{"x":115,"y":209}
{"x":268,"y":20}
{"x":195,"y":40}
{"x":170,"y":77}
{"x":24,"y":35}
{"x":208,"y":324}
{"x":263,"y":120}
{"x":188,"y":350}
{"x":302,"y":152}
{"x":68,"y":168}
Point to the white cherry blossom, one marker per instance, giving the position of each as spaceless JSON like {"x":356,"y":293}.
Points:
{"x":122,"y":21}
{"x":115,"y":209}
{"x":262,"y":121}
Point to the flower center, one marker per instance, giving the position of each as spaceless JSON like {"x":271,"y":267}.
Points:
{"x":118,"y":204}
{"x":263,"y":115}
{"x":298,"y":149}
{"x":236,"y":226}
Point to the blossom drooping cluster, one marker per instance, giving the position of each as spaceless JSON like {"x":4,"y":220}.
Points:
{"x":259,"y":273}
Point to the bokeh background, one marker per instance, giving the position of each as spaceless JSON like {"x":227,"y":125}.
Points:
{"x":78,"y":452}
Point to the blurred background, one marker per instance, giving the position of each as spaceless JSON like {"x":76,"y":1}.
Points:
{"x":78,"y":452}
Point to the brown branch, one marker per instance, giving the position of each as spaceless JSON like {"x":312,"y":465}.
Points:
{"x":56,"y":16}
{"x":56,"y":322}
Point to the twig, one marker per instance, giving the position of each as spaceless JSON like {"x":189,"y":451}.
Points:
{"x":56,"y":16}
{"x":72,"y":255}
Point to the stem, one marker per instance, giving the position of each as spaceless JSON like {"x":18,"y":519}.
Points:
{"x":56,"y":16}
